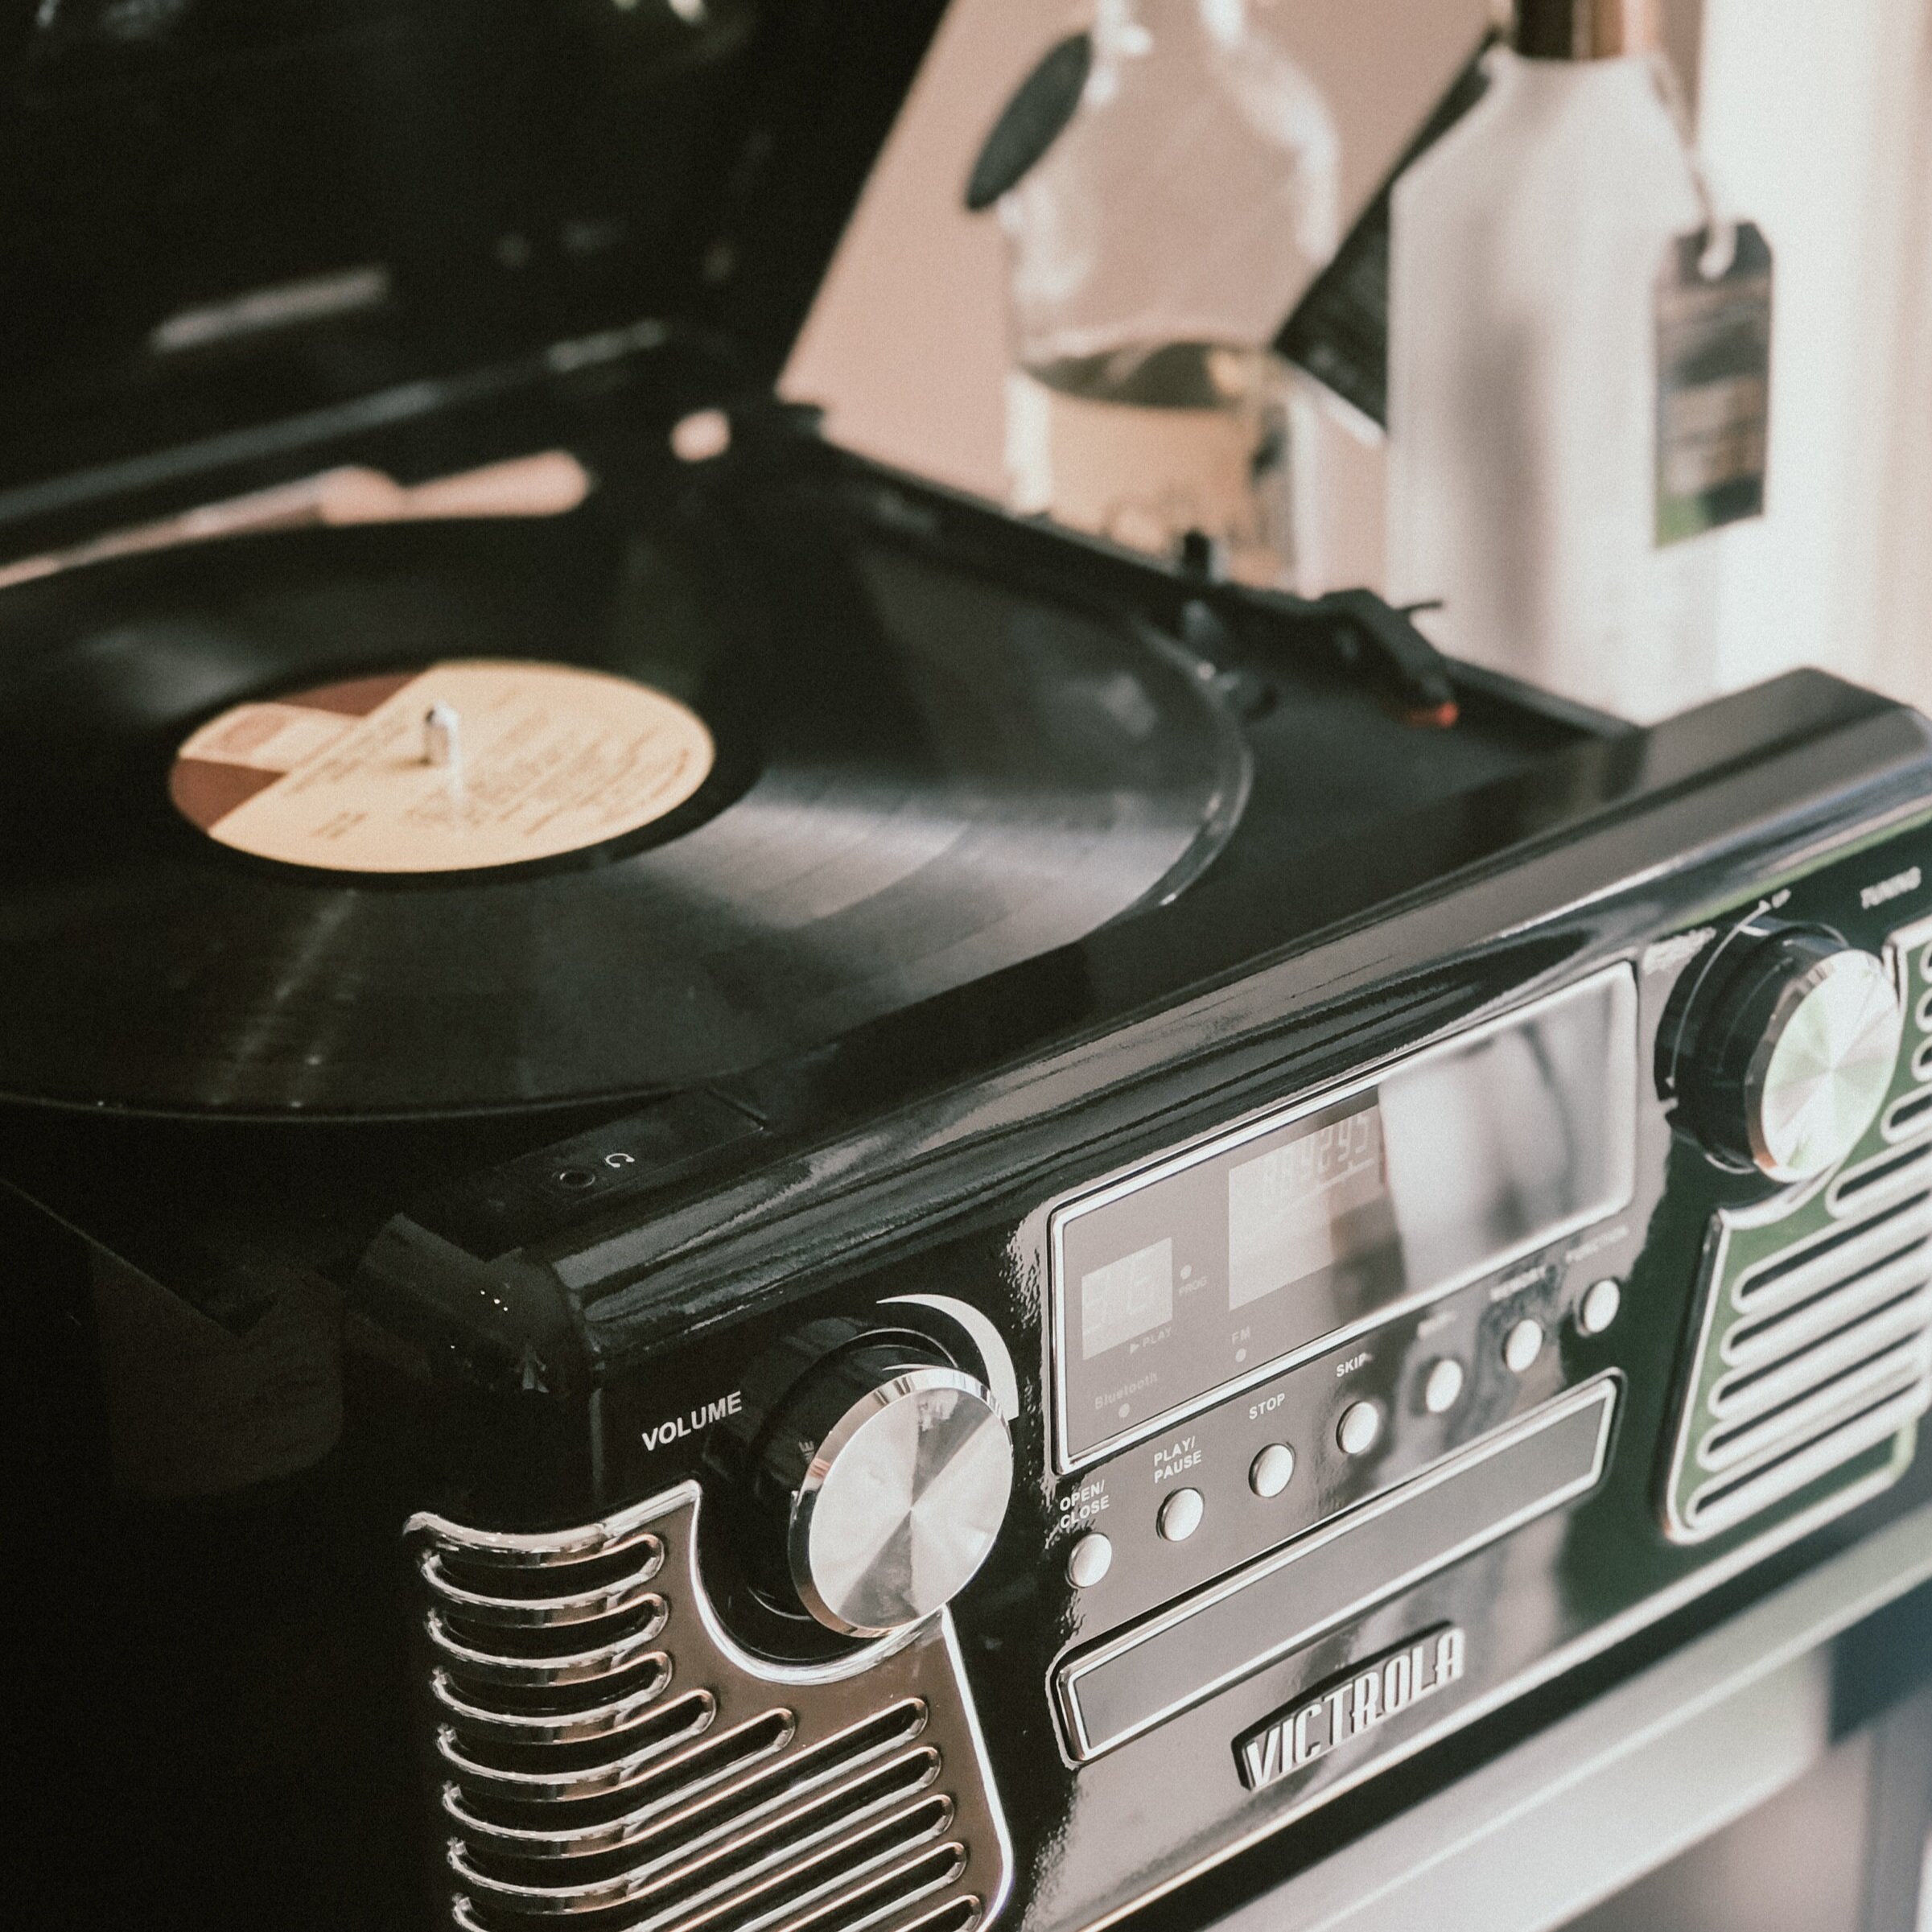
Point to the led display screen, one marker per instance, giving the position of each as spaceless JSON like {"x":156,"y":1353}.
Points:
{"x":1205,"y":1271}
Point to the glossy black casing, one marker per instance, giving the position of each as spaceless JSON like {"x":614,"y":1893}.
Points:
{"x":517,"y":1340}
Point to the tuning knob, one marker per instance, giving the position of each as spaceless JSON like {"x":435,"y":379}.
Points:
{"x":891,"y":1468}
{"x":1783,"y":1060}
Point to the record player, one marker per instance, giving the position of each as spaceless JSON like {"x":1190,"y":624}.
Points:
{"x":739,"y":1198}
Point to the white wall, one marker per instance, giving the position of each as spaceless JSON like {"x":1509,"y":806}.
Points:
{"x":1816,"y":116}
{"x":1812,"y":116}
{"x":1903,"y":657}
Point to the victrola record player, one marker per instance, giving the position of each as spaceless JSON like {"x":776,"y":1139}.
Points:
{"x":740,"y":1200}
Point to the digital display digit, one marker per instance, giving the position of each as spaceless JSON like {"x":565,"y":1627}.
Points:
{"x":1306,"y":1205}
{"x":1127,"y":1298}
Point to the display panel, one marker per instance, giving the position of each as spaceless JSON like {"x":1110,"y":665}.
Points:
{"x":1211,"y":1269}
{"x":1316,"y":1199}
{"x":1126,"y":1298}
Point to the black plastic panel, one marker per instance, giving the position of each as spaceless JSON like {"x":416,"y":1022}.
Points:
{"x":215,"y":214}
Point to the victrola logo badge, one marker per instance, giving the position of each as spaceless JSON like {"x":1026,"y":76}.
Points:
{"x":1367,"y":1696}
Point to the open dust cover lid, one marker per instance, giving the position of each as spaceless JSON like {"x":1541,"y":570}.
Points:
{"x":215,"y":213}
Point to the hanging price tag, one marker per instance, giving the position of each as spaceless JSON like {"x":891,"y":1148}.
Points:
{"x":1713,"y":381}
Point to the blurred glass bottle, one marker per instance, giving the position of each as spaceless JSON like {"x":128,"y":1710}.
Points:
{"x":1172,"y":203}
{"x":1527,"y":246}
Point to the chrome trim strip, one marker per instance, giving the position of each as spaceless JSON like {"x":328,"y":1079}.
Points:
{"x":561,"y":1727}
{"x":1222,"y":1140}
{"x":1726,"y":1451}
{"x":717,"y":1792}
{"x":1783,"y":1479}
{"x":1784,"y":1337}
{"x":542,"y":1612}
{"x":1918,"y":932}
{"x":1871,"y":1192}
{"x":1916,"y":1103}
{"x":824,"y":1898}
{"x":830,"y":1915}
{"x":1821,"y":1364}
{"x":593,"y":1781}
{"x":580,"y":1840}
{"x":579,"y":1667}
{"x":982,"y":1767}
{"x":1600,"y":1392}
{"x":1835,"y":1255}
{"x":855,"y":1663}
{"x":687,"y":1783}
{"x":966,"y":1903}
{"x":1708,"y":1295}
{"x":1858,"y":1193}
{"x":584,"y":1543}
{"x":637,"y":1884}
{"x":692,"y":1915}
{"x":996,"y":1356}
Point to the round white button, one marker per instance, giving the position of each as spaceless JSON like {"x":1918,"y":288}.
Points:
{"x":1089,"y":1560}
{"x":1360,"y":1425}
{"x":1180,"y":1515}
{"x":1269,"y":1472}
{"x":1522,"y":1346}
{"x":1444,"y":1385}
{"x":1598,"y":1308}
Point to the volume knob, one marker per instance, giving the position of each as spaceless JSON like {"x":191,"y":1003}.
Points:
{"x":1784,"y":1062}
{"x":896,"y":1474}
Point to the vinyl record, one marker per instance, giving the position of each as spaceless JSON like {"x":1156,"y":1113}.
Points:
{"x":455,"y":817}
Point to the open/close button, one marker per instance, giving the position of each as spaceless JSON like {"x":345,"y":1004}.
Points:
{"x":1089,"y":1559}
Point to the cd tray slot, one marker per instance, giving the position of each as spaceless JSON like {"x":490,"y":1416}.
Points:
{"x":1131,"y":1683}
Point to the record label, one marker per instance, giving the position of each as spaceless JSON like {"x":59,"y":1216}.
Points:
{"x":471,"y":763}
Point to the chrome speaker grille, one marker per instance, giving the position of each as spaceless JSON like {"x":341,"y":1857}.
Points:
{"x":605,"y":1754}
{"x":1816,"y":1350}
